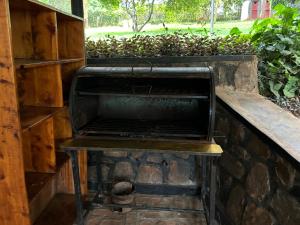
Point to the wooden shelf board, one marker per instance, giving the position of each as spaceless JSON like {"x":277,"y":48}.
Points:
{"x":73,"y":60}
{"x":32,"y":115}
{"x":34,"y":5}
{"x":32,"y":63}
{"x":35,"y":181}
{"x":60,"y":210}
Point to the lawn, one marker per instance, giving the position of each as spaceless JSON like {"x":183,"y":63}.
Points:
{"x":220,"y":28}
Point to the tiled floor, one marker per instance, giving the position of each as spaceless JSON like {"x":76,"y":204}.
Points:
{"x":151,"y":217}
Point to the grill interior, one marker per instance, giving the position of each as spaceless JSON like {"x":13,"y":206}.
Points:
{"x":128,"y":106}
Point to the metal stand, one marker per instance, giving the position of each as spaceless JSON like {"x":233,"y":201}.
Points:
{"x":207,"y":191}
{"x":77,"y":187}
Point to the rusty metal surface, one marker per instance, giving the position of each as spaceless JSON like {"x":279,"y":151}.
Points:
{"x":163,"y":146}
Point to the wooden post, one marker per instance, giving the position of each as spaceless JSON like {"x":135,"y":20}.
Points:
{"x":13,"y":198}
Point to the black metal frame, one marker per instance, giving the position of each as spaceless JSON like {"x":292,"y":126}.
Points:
{"x":208,"y":190}
{"x":77,"y":8}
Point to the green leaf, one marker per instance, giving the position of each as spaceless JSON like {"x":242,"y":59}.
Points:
{"x":274,"y":88}
{"x":291,"y":87}
{"x":235,"y":31}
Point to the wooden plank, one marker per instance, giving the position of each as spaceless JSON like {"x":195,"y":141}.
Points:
{"x":27,"y":155}
{"x":13,"y":198}
{"x":41,"y":86}
{"x":44,"y":30}
{"x":65,"y":176}
{"x":21,"y":63}
{"x":62,"y":125}
{"x":67,"y":73}
{"x":43,"y":147}
{"x":150,"y":145}
{"x":70,"y":39}
{"x":60,"y":211}
{"x":42,"y":187}
{"x":32,"y":116}
{"x":279,"y":125}
{"x":21,"y":34}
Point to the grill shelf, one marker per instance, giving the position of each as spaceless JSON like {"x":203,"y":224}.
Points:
{"x":138,"y":128}
{"x":160,"y":93}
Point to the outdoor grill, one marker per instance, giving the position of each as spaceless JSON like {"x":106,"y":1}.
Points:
{"x":144,"y":109}
{"x":144,"y":102}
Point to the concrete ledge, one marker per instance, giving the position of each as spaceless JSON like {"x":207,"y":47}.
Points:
{"x":279,"y":125}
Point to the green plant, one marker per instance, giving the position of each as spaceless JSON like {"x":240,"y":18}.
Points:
{"x":278,"y":47}
{"x":177,"y":44}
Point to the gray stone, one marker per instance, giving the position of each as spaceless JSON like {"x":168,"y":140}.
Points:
{"x":286,"y":208}
{"x":137,"y":155}
{"x":105,"y":172}
{"x":236,"y":204}
{"x":241,"y":153}
{"x":285,"y":172}
{"x":179,"y":173}
{"x":149,"y":174}
{"x":223,"y":126}
{"x":116,"y":154}
{"x":237,"y":132}
{"x":258,"y":147}
{"x":123,"y":170}
{"x":154,"y":158}
{"x":254,"y":215}
{"x":232,"y":165}
{"x":258,"y":181}
{"x":182,"y":155}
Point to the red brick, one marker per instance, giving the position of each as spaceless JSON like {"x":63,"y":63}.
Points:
{"x":149,"y":174}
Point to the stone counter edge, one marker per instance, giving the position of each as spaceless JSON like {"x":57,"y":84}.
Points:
{"x":280,"y":126}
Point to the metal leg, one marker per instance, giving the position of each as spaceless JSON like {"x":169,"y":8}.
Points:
{"x":212,"y":192}
{"x":99,"y":173}
{"x":76,"y":179}
{"x":204,"y":175}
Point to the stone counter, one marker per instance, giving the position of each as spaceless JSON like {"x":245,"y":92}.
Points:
{"x":259,"y":180}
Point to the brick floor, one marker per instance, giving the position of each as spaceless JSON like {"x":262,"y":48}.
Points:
{"x":151,"y":217}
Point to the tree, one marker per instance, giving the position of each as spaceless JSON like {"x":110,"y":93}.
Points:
{"x":139,"y":11}
{"x":187,"y":11}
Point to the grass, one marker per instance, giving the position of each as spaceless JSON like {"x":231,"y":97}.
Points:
{"x":220,"y":28}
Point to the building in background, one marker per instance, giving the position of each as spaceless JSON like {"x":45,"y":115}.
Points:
{"x":254,"y":9}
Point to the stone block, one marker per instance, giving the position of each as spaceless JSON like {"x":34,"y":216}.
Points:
{"x":182,"y":155}
{"x":154,"y":158}
{"x":286,"y":208}
{"x":232,"y":165}
{"x":285,"y":172}
{"x":137,"y":155}
{"x":258,"y":181}
{"x":258,"y":147}
{"x":241,"y":153}
{"x":237,"y":132}
{"x":179,"y":173}
{"x":236,"y":204}
{"x":115,"y":154}
{"x":254,"y":215}
{"x":123,"y":170}
{"x":149,"y":174}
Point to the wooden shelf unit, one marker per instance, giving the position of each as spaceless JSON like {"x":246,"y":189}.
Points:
{"x":41,"y":49}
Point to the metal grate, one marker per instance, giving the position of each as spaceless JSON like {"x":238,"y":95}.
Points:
{"x":142,"y":128}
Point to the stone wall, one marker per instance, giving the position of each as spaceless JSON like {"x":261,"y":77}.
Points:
{"x":259,"y":184}
{"x":146,"y":170}
{"x":237,"y":72}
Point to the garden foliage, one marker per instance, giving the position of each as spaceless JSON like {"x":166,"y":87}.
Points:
{"x":277,"y":40}
{"x":177,"y":44}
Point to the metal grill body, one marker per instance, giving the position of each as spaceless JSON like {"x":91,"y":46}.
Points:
{"x":153,"y":109}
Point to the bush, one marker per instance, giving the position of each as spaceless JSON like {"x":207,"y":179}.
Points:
{"x":177,"y":44}
{"x":278,"y":47}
